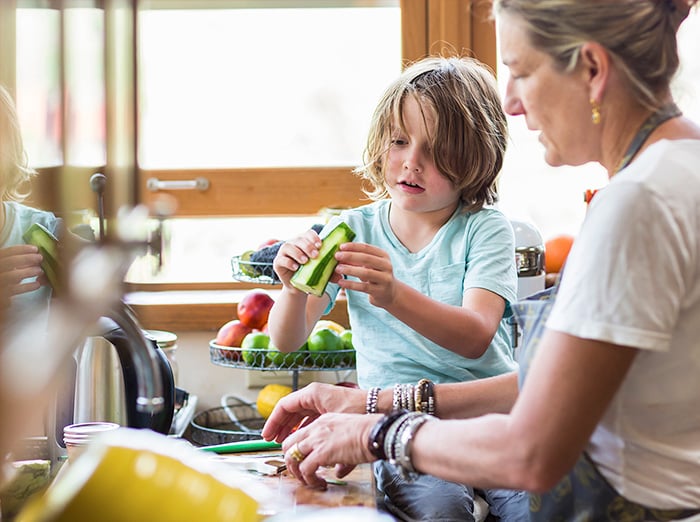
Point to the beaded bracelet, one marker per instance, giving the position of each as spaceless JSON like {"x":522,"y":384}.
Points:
{"x":407,"y":401}
{"x":396,"y":398}
{"x":379,"y":431}
{"x":420,"y":397}
{"x":372,"y":398}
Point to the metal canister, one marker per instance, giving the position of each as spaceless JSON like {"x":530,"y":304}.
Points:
{"x":529,"y":258}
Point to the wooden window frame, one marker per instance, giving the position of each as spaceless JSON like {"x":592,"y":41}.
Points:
{"x":428,"y":27}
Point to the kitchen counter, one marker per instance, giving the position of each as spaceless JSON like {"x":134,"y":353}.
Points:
{"x":289,"y":495}
{"x":124,"y":470}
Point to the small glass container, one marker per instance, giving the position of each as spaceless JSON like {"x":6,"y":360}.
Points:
{"x":77,"y":436}
{"x":167,"y":341}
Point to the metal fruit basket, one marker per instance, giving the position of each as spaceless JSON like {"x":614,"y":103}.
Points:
{"x":236,"y":421}
{"x":267,"y":360}
{"x":248,"y":271}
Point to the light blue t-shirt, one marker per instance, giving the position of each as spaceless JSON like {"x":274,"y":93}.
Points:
{"x":18,"y":218}
{"x":472,"y":250}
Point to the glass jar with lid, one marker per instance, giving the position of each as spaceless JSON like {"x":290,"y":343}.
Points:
{"x":167,"y":341}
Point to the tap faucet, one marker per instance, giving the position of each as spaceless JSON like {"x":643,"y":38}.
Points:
{"x":149,"y":381}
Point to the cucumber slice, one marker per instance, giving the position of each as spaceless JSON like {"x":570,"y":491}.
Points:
{"x":39,"y":236}
{"x":313,"y":276}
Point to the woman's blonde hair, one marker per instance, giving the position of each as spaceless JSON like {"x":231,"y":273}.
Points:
{"x":639,"y":34}
{"x":14,"y":169}
{"x":470,"y":127}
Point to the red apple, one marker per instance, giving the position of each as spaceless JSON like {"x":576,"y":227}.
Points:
{"x":267,"y":243}
{"x":254,"y":308}
{"x":347,"y":384}
{"x":232,"y":333}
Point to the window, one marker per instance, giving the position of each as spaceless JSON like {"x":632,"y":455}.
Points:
{"x":256,"y":88}
{"x":276,"y":87}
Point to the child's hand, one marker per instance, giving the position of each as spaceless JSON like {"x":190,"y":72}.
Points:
{"x":17,"y":263}
{"x":294,"y":253}
{"x":372,"y":266}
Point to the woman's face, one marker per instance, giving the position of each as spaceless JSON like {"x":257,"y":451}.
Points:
{"x":554,"y":103}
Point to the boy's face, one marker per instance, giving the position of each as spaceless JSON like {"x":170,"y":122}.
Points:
{"x":411,"y":176}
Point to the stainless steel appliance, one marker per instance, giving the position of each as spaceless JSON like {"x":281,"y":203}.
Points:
{"x":529,"y":258}
{"x":102,"y":380}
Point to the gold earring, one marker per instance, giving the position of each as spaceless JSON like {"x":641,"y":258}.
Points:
{"x":595,"y":112}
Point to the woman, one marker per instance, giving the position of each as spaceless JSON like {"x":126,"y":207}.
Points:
{"x":605,"y":424}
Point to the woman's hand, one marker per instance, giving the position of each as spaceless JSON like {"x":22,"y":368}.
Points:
{"x":372,"y":266}
{"x":18,"y":263}
{"x":294,"y":253}
{"x":334,"y":439}
{"x":307,"y":404}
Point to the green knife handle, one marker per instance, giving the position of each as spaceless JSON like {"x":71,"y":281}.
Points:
{"x":243,"y":446}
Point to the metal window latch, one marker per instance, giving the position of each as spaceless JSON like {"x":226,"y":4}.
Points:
{"x":201,"y":184}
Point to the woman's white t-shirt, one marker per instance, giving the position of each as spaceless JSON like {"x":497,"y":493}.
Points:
{"x":633,"y":278}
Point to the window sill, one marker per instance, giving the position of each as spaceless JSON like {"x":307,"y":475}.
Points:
{"x":199,"y":310}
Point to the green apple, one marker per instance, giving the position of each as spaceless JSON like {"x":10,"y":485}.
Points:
{"x":324,"y":340}
{"x":346,"y":337}
{"x":348,"y":358}
{"x":254,"y":348}
{"x":285,"y":360}
{"x":321,"y":343}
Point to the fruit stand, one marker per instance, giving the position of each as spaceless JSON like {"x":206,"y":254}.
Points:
{"x":272,"y":360}
{"x":245,"y":346}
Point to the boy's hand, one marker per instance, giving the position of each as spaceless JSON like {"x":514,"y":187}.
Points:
{"x":294,"y":253}
{"x":18,"y":263}
{"x":372,"y":266}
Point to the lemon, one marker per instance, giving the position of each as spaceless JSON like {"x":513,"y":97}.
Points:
{"x":269,"y":396}
{"x":331,"y":325}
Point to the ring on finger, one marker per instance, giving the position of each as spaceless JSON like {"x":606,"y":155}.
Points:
{"x":295,"y":453}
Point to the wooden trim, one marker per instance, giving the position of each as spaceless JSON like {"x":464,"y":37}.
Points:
{"x":202,"y":286}
{"x":449,"y":23}
{"x":414,"y":30}
{"x":8,"y":44}
{"x":200,"y":311}
{"x":484,"y":34}
{"x":258,"y":192}
{"x":448,"y":27}
{"x":45,"y":187}
{"x":120,"y":58}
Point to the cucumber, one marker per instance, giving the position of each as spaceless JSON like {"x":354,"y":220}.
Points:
{"x":39,"y":236}
{"x":313,"y":276}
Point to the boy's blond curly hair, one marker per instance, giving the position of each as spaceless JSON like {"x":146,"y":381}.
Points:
{"x":14,"y":169}
{"x":470,"y":126}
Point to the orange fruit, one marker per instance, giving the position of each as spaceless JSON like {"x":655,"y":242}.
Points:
{"x":556,"y":251}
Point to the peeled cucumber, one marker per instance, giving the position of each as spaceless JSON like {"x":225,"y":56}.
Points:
{"x":313,"y":276}
{"x":39,"y":236}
